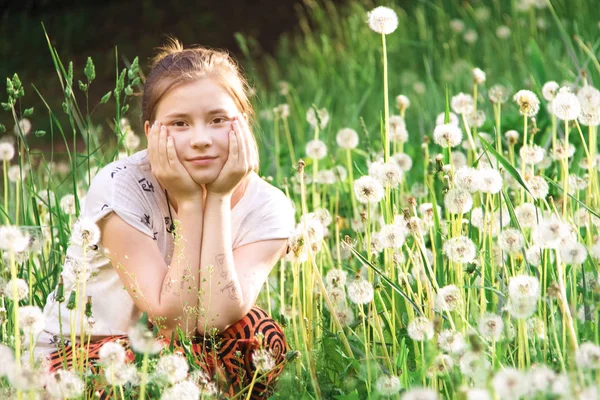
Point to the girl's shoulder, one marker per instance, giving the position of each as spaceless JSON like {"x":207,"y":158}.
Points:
{"x":262,"y":194}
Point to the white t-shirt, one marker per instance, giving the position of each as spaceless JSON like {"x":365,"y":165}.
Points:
{"x":128,"y":188}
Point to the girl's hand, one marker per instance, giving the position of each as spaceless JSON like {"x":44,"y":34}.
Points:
{"x":242,"y":159}
{"x":167,"y":168}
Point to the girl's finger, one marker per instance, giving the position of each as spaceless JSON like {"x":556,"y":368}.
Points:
{"x":162,"y":147}
{"x":152,"y":144}
{"x":233,"y":146}
{"x":243,"y":145}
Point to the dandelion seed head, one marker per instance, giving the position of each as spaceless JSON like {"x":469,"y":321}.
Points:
{"x":524,"y":287}
{"x":31,"y":319}
{"x":478,"y":76}
{"x":320,"y":118}
{"x":111,"y":353}
{"x":397,"y":129}
{"x":466,"y":178}
{"x":382,"y":20}
{"x":24,"y":125}
{"x":447,"y":135}
{"x":420,"y":329}
{"x":460,"y":249}
{"x":360,"y":291}
{"x":503,"y":32}
{"x":440,"y":120}
{"x":457,"y":25}
{"x":511,"y":240}
{"x":404,"y":161}
{"x":538,"y":187}
{"x":184,"y":390}
{"x":527,"y":214}
{"x":498,"y":94}
{"x":442,"y":365}
{"x":22,"y":288}
{"x":560,"y":152}
{"x":452,"y":342}
{"x":402,"y":102}
{"x":528,"y":103}
{"x":458,"y":201}
{"x":491,"y":180}
{"x":336,"y":278}
{"x":67,"y":204}
{"x":510,"y":383}
{"x":392,"y":236}
{"x":573,"y":252}
{"x":532,"y":154}
{"x":142,"y":340}
{"x":550,"y":232}
{"x":347,"y":138}
{"x":388,"y":385}
{"x":588,"y":356}
{"x":172,"y":367}
{"x":589,"y":99}
{"x":478,"y":394}
{"x":462,"y":103}
{"x":7,"y":151}
{"x":448,"y":298}
{"x":368,"y":190}
{"x":472,"y":364}
{"x":15,"y":173}
{"x":491,"y":327}
{"x":471,"y":36}
{"x":549,"y":90}
{"x":64,"y":384}
{"x":565,"y":105}
{"x":316,"y":149}
{"x":13,"y":239}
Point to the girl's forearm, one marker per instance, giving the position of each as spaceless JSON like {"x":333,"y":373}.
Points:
{"x":221,"y":297}
{"x":179,"y":292}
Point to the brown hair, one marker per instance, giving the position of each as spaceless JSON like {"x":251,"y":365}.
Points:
{"x":174,"y":65}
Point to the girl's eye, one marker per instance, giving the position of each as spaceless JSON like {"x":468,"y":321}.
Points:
{"x":219,"y":120}
{"x":176,"y":123}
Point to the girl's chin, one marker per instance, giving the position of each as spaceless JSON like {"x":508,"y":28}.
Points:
{"x":203,"y":179}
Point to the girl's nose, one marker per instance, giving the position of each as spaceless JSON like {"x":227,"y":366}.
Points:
{"x":200,"y":138}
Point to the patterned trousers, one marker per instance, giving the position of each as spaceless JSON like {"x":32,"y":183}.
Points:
{"x":227,"y":358}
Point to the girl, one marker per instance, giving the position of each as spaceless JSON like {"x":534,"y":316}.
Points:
{"x":188,"y":231}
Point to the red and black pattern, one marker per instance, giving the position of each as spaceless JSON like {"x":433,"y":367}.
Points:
{"x":228,"y":358}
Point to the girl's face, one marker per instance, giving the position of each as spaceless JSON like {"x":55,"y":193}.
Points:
{"x":198,"y":116}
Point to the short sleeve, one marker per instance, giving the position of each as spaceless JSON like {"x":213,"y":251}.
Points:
{"x":117,"y":189}
{"x":272,"y":219}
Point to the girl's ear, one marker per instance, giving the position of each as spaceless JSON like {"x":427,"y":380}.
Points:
{"x":147,"y":128}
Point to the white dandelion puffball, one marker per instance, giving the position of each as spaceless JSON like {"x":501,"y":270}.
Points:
{"x":538,"y":187}
{"x":566,"y":105}
{"x":111,"y":353}
{"x":368,"y":190}
{"x":173,"y":367}
{"x":404,"y":161}
{"x":142,"y":340}
{"x":510,"y":383}
{"x":336,"y":278}
{"x":460,"y":249}
{"x":442,"y":117}
{"x":13,"y":239}
{"x":316,"y":149}
{"x":31,"y":319}
{"x":503,"y":32}
{"x":532,"y":154}
{"x":388,"y":385}
{"x":360,"y":291}
{"x":447,"y":135}
{"x":321,"y":117}
{"x":471,"y":36}
{"x":420,"y":329}
{"x":549,"y":90}
{"x":184,"y":390}
{"x":458,"y":201}
{"x":64,"y":384}
{"x":589,"y":99}
{"x":347,"y":138}
{"x":452,"y":342}
{"x":498,"y":94}
{"x":491,"y":180}
{"x":462,"y":103}
{"x":573,"y":252}
{"x":67,"y":204}
{"x":588,"y":356}
{"x":131,"y":141}
{"x":420,"y":394}
{"x":527,"y":214}
{"x":24,"y":125}
{"x":263,"y":360}
{"x":528,"y":103}
{"x":382,"y":20}
{"x":478,"y":76}
{"x":392,"y":236}
{"x":511,"y":240}
{"x":7,"y":151}
{"x":85,"y":232}
{"x":467,"y":178}
{"x":448,"y":298}
{"x":491,"y":327}
{"x":533,"y":255}
{"x":457,"y":25}
{"x":524,"y":287}
{"x":120,"y":374}
{"x":397,"y":129}
{"x":389,"y":174}
{"x":21,"y":286}
{"x":402,"y":102}
{"x":16,"y":174}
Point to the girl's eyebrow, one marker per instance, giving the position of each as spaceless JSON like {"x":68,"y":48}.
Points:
{"x":208,"y":113}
